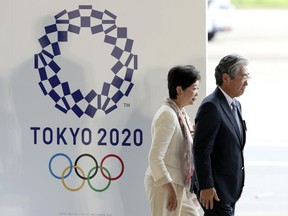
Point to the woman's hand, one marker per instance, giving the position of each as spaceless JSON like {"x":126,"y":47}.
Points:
{"x":172,"y":201}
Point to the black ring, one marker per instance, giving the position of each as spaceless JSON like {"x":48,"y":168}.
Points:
{"x":75,"y":164}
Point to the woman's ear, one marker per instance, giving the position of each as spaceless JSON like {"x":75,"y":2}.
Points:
{"x":179,"y":90}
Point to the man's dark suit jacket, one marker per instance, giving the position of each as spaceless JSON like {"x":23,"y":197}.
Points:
{"x":218,"y":148}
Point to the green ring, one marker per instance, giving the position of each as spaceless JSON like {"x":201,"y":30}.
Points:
{"x":89,"y":183}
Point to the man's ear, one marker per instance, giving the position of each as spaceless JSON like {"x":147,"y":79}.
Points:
{"x":225,"y":77}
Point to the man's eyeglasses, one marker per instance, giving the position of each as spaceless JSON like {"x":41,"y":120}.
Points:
{"x":245,"y":77}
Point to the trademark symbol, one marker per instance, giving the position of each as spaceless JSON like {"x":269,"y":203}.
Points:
{"x":126,"y":104}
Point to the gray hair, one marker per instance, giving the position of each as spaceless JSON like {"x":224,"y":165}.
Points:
{"x":230,"y":64}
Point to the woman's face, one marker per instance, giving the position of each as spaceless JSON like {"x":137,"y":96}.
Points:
{"x":190,"y":94}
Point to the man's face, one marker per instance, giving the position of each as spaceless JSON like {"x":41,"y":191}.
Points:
{"x":236,"y":87}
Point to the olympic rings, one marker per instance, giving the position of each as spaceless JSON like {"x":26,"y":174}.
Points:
{"x":91,"y":174}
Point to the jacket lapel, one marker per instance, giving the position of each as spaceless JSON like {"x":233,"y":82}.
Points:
{"x":227,"y":110}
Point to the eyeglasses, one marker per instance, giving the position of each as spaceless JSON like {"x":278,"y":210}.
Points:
{"x":245,"y":77}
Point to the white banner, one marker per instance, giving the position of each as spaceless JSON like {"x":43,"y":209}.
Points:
{"x":79,"y":84}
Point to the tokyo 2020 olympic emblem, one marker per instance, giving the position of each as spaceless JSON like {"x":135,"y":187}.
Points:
{"x":59,"y":90}
{"x":92,"y":173}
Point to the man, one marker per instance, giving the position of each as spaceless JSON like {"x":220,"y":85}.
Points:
{"x":219,"y":140}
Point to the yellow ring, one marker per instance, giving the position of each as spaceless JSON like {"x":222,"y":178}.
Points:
{"x":63,"y":175}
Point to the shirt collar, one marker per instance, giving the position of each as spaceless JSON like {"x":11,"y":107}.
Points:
{"x":228,"y":98}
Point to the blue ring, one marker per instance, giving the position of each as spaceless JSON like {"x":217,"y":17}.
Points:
{"x":70,"y":162}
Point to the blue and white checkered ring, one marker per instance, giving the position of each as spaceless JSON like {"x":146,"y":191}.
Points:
{"x":45,"y":62}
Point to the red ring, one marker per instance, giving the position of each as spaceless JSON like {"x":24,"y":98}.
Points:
{"x":122,"y":171}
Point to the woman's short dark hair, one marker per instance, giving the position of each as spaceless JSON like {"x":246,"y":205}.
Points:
{"x":181,"y":75}
{"x":230,"y":64}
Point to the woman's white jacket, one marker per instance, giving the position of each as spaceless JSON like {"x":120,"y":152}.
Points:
{"x":166,"y":151}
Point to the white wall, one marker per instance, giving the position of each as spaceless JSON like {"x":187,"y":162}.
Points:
{"x":165,"y":33}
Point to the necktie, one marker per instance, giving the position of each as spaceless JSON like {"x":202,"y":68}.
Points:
{"x":236,"y":115}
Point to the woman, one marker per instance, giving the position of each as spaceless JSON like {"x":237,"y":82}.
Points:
{"x":168,"y":177}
